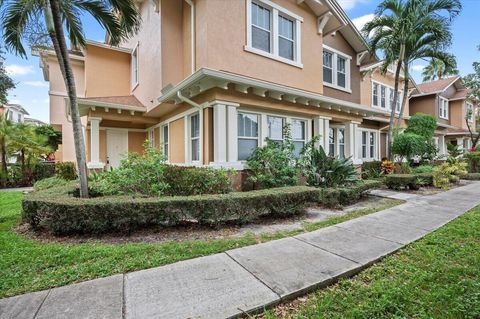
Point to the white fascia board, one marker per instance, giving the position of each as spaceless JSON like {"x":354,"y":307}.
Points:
{"x":111,"y":105}
{"x":109,"y":47}
{"x":239,"y":79}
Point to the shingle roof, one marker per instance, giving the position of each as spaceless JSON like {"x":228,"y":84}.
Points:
{"x":461,"y":94}
{"x":436,"y":86}
{"x":129,"y":100}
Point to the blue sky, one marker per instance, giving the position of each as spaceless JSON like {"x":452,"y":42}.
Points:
{"x":32,"y":90}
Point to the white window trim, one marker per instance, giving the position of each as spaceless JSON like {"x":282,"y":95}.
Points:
{"x":376,"y":142}
{"x":335,"y":54}
{"x":276,"y":10}
{"x":469,"y":105}
{"x":189,"y":138}
{"x":388,"y":106}
{"x":151,"y":137}
{"x":440,"y":108}
{"x":258,"y":138}
{"x":135,"y":52}
{"x":336,"y":140}
{"x":162,"y":140}
{"x":263,"y":125}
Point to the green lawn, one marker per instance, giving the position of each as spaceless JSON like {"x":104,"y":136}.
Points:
{"x":26,"y":265}
{"x":436,"y":277}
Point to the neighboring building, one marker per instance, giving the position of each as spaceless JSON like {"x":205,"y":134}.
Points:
{"x":207,"y":81}
{"x":32,"y":121}
{"x":450,"y":102}
{"x":14,"y":112}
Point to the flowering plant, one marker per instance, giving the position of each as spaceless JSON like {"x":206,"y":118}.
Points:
{"x":387,"y":167}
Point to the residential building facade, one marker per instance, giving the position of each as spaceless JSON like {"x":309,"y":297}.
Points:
{"x":454,"y":108}
{"x":14,"y":112}
{"x":207,"y":81}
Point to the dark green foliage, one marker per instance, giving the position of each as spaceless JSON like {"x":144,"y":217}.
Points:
{"x":408,"y":181}
{"x":371,"y":169}
{"x":43,"y":170}
{"x":453,"y":150}
{"x":66,"y":170}
{"x":408,"y":145}
{"x":273,"y":165}
{"x":472,"y":176}
{"x":49,"y":182}
{"x":424,"y":169}
{"x":53,"y":138}
{"x":56,"y":210}
{"x":186,"y":181}
{"x":322,"y":170}
{"x":473,"y":160}
{"x":423,"y":125}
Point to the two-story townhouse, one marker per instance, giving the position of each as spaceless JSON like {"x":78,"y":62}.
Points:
{"x":450,"y":102}
{"x":14,"y":112}
{"x":210,"y":80}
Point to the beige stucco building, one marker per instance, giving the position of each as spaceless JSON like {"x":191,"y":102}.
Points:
{"x":207,"y":81}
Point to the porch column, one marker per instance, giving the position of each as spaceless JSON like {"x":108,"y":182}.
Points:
{"x":350,"y":141}
{"x":225,"y":144}
{"x":321,"y":126}
{"x":441,"y":146}
{"x":460,"y":143}
{"x":95,"y":143}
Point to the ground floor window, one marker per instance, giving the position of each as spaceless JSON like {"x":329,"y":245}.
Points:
{"x":369,"y":144}
{"x":341,"y":142}
{"x":275,"y":128}
{"x":331,"y":142}
{"x":247,"y":134}
{"x":195,"y":137}
{"x":164,"y":132}
{"x":298,"y":135}
{"x":151,"y":137}
{"x":336,"y":142}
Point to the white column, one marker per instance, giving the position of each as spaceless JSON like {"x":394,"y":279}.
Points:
{"x":232,"y":132}
{"x":350,"y":140}
{"x":219,"y":133}
{"x":460,"y":143}
{"x":322,"y":128}
{"x":441,"y":146}
{"x":95,"y":143}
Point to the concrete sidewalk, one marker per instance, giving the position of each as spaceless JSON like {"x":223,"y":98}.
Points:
{"x":247,"y":279}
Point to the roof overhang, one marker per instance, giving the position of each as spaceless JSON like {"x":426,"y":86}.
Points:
{"x":205,"y":79}
{"x":107,"y":46}
{"x":85,"y":105}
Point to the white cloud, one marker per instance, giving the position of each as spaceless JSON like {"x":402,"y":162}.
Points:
{"x":359,"y":22}
{"x":418,"y":67}
{"x":15,"y":102}
{"x":40,"y":84}
{"x":350,"y":4}
{"x":16,"y":69}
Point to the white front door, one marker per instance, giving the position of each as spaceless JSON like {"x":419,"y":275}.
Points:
{"x":117,"y":147}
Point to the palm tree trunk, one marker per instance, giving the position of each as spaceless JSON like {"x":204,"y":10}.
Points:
{"x":395,"y":98}
{"x":60,"y":46}
{"x":4,"y":171}
{"x":405,"y":94}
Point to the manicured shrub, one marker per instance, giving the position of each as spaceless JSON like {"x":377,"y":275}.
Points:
{"x":49,"y":182}
{"x":424,"y":179}
{"x":57,"y":211}
{"x":424,"y":169}
{"x":473,"y":160}
{"x":371,"y":169}
{"x":401,"y":181}
{"x":472,"y":176}
{"x":449,"y":172}
{"x":408,"y":145}
{"x":43,"y":170}
{"x":66,"y":170}
{"x":321,"y":170}
{"x":185,"y":181}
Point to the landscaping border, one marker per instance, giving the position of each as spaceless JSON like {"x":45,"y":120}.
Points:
{"x":57,"y":211}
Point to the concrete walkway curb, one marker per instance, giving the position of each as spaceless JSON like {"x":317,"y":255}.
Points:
{"x":248,"y":279}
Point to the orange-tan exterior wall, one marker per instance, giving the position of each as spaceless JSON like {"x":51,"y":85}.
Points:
{"x":221,"y":38}
{"x":424,"y":104}
{"x":107,"y":72}
{"x":177,"y":141}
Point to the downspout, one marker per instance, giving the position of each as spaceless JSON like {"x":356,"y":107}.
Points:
{"x":188,"y":101}
{"x":192,"y":33}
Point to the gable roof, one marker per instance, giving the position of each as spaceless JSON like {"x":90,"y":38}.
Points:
{"x":18,"y":107}
{"x":437,"y":86}
{"x":128,"y":100}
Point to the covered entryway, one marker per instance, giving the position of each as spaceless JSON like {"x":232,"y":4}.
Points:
{"x":117,"y":147}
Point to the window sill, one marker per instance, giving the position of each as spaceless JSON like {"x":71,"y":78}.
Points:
{"x":273,"y":57}
{"x":443,"y":118}
{"x":336,"y":87}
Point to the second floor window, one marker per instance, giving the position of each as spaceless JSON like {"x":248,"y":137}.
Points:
{"x":382,"y":97}
{"x":336,"y":69}
{"x":273,"y":32}
{"x":443,"y":108}
{"x":375,"y":94}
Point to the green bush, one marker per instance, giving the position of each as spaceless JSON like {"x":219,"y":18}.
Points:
{"x":424,"y":169}
{"x":408,"y":145}
{"x":401,"y":181}
{"x":43,"y":170}
{"x":49,"y":182}
{"x":449,"y":172}
{"x":472,"y":176}
{"x":473,"y":160}
{"x":424,"y":179}
{"x":56,"y":210}
{"x":321,"y":170}
{"x":273,"y":165}
{"x":185,"y":181}
{"x":371,"y":169}
{"x":66,"y":170}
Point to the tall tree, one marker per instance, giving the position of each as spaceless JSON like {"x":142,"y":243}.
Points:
{"x":437,"y":70}
{"x":120,"y":18}
{"x":472,"y":80}
{"x":6,"y":128}
{"x":405,"y":30}
{"x":6,"y":82}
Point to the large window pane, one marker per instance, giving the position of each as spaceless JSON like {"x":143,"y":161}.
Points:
{"x":382,"y":95}
{"x":246,"y":148}
{"x":275,"y":128}
{"x":331,"y":142}
{"x":341,"y":143}
{"x":375,"y":94}
{"x":261,"y":28}
{"x":341,"y":72}
{"x":286,"y":41}
{"x":298,"y":146}
{"x":165,"y":140}
{"x":364,"y":144}
{"x":372,"y":144}
{"x":298,"y":135}
{"x":327,"y":67}
{"x":195,"y":136}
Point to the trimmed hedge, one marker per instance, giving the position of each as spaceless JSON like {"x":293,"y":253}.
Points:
{"x":408,"y":181}
{"x":57,"y":211}
{"x":472,"y":176}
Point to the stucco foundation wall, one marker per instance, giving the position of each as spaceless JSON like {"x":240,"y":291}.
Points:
{"x":177,"y":141}
{"x":221,"y":38}
{"x":107,"y":72}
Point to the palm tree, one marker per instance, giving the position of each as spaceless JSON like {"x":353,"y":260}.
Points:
{"x":400,"y":28}
{"x":120,"y":18}
{"x":6,"y":128}
{"x":437,"y":70}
